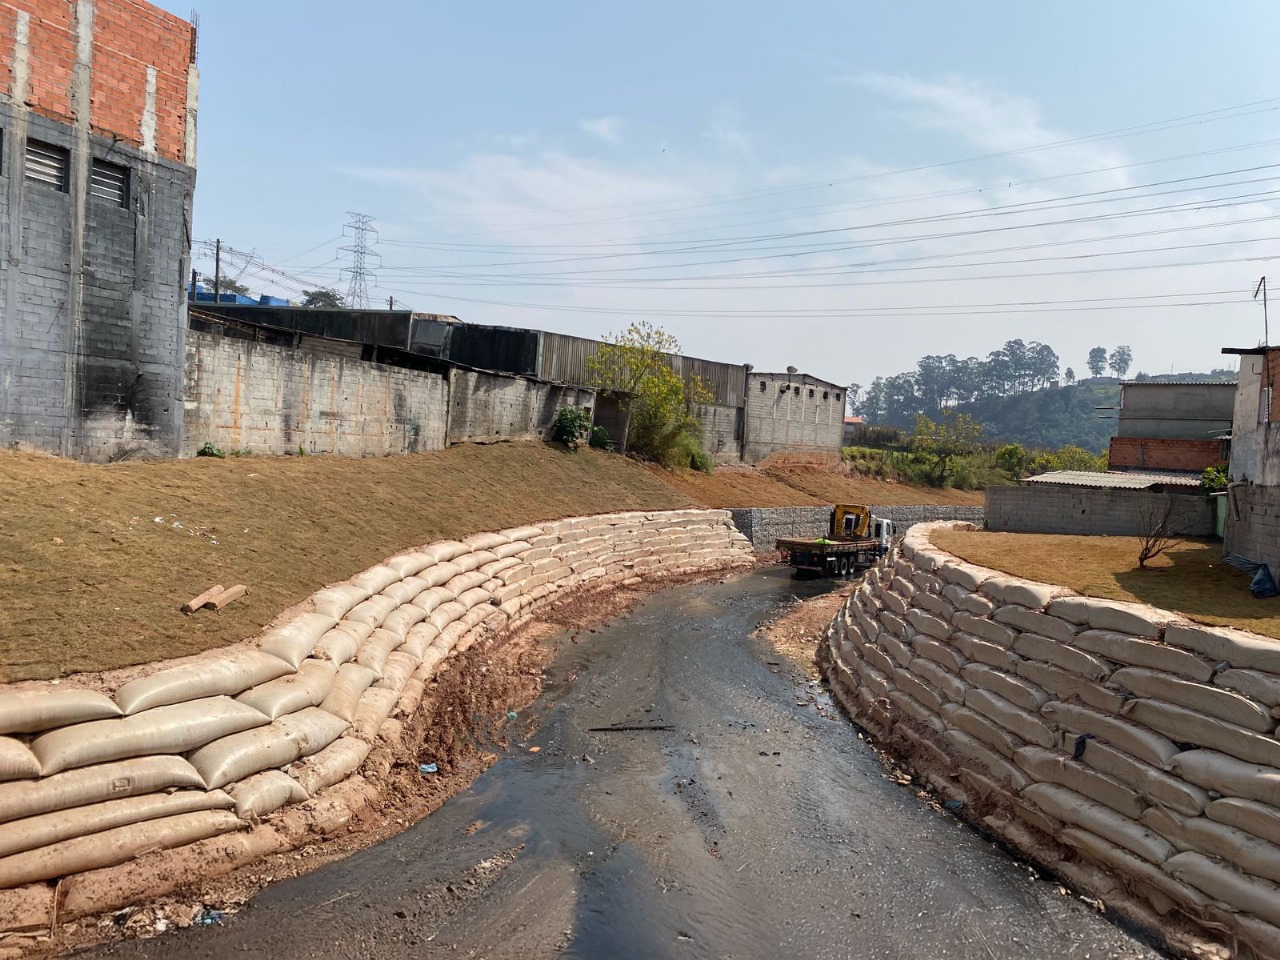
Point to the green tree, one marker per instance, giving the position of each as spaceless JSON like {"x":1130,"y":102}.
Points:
{"x":1012,"y":459}
{"x":943,"y":441}
{"x":660,"y":403}
{"x":1097,"y":361}
{"x":323,"y":297}
{"x":1120,"y":361}
{"x":225,"y":285}
{"x":1070,"y":375}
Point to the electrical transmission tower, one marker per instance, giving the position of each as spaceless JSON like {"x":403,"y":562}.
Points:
{"x":358,"y":275}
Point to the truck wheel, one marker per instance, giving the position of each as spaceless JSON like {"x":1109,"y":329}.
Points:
{"x":844,"y":566}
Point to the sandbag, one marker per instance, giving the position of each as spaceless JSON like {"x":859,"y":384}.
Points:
{"x":469,"y":562}
{"x":29,"y":833}
{"x":375,"y":706}
{"x":1067,"y":686}
{"x":112,"y":847}
{"x":265,"y":793}
{"x":1021,"y":722}
{"x":1126,"y":866}
{"x":341,"y":643}
{"x":405,"y":590}
{"x":443,"y":550}
{"x":485,"y":541}
{"x":1226,"y":885}
{"x":337,"y":600}
{"x":1153,"y":785}
{"x":430,"y":599}
{"x":374,"y":651}
{"x":376,"y":579}
{"x":474,"y":597}
{"x":409,"y":564}
{"x":306,"y":688}
{"x":507,"y":551}
{"x":1144,"y":653}
{"x":1129,"y":737}
{"x":440,"y":574}
{"x":1060,"y":655}
{"x":1199,"y":697}
{"x":331,"y":765}
{"x":1049,"y":767}
{"x":419,"y":638}
{"x":516,"y":534}
{"x":465,"y":581}
{"x":1259,"y":819}
{"x":1242,"y":850}
{"x":403,"y":617}
{"x":399,"y":667}
{"x":1229,"y":776}
{"x":16,"y":761}
{"x":297,"y":735}
{"x":1191,"y":727}
{"x":230,"y":674}
{"x":1069,"y":807}
{"x":1263,"y":687}
{"x":171,"y":729}
{"x":88,"y":785}
{"x":1000,"y":768}
{"x":31,"y":711}
{"x":293,"y":642}
{"x":373,"y":611}
{"x":446,"y":614}
{"x":1016,"y":690}
{"x":352,"y":680}
{"x":976,"y":725}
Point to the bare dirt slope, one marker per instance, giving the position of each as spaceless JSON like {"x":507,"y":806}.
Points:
{"x":95,"y":560}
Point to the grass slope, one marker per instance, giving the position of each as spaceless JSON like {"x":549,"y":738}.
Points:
{"x":1190,"y":579}
{"x":95,"y":560}
{"x":800,"y":486}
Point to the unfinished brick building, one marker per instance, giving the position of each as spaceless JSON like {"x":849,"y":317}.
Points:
{"x":97,"y":169}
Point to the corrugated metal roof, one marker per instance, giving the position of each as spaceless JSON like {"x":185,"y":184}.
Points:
{"x":1178,"y":383}
{"x":1116,"y":480}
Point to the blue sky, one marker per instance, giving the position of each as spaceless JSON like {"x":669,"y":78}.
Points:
{"x":735,"y":171}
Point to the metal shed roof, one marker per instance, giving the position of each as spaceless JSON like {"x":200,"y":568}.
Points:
{"x":1116,"y":480}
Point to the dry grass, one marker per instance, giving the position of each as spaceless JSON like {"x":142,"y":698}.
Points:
{"x":801,"y":486}
{"x":1190,"y":578}
{"x":94,"y":560}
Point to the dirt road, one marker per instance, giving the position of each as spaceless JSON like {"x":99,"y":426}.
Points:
{"x":757,"y":826}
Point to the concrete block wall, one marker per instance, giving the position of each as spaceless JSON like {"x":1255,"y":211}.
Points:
{"x":1091,"y":511}
{"x":792,"y":412}
{"x":1130,"y":750}
{"x":721,"y":432}
{"x":253,"y":750}
{"x":244,"y":395}
{"x":491,"y":406}
{"x":1164,"y":455}
{"x":764,"y":526}
{"x":1253,"y":523}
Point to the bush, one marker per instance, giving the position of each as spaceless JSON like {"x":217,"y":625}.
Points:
{"x":1214,"y":480}
{"x":1012,"y":459}
{"x":209,"y":450}
{"x":701,"y":461}
{"x":571,"y":426}
{"x":600,"y":439}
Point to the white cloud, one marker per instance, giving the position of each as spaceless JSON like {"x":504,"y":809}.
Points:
{"x":608,"y":129}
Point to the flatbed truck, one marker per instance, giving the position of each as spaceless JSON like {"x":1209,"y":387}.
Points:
{"x":855,"y":540}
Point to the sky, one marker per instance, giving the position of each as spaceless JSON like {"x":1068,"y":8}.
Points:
{"x":843,"y":187}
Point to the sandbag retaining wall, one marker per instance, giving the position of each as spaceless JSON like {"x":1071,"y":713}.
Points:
{"x":304,"y":719}
{"x":1131,"y":750}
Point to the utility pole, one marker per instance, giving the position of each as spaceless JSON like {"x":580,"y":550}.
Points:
{"x":1266,"y":329}
{"x":391,"y":303}
{"x":217,"y":269}
{"x":363,"y":237}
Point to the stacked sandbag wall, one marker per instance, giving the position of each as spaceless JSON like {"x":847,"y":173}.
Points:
{"x":208,"y":748}
{"x":1131,"y":750}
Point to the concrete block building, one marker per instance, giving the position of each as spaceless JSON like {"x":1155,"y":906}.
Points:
{"x":97,"y":169}
{"x":1172,"y":426}
{"x":1253,"y":497}
{"x":792,"y":412}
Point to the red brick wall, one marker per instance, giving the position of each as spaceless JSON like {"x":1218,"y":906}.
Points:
{"x":129,"y":36}
{"x":1151,"y":453}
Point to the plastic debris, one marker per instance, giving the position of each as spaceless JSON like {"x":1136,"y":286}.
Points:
{"x":953,"y":804}
{"x":512,"y":715}
{"x":425,"y":768}
{"x":208,"y":916}
{"x":535,"y":749}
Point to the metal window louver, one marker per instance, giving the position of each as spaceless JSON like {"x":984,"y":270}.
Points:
{"x":110,"y":182}
{"x":47,"y":164}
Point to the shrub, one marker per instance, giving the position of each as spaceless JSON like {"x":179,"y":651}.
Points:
{"x":1012,"y":459}
{"x":571,"y":426}
{"x":702,"y":461}
{"x":1214,"y":480}
{"x":209,"y":450}
{"x":600,"y":439}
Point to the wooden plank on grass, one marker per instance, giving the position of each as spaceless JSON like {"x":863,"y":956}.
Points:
{"x":226,"y":596}
{"x":195,"y":603}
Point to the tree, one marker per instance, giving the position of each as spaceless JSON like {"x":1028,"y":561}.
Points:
{"x":1155,"y":527}
{"x":659,"y":402}
{"x":1070,"y":375}
{"x":225,"y":285}
{"x":323,"y":297}
{"x":851,"y":396}
{"x":945,"y":440}
{"x":1121,"y":360}
{"x":1097,"y":361}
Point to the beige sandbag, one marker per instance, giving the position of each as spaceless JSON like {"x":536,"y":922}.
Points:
{"x":1243,"y":850}
{"x":973,"y":749}
{"x":376,"y":579}
{"x":293,"y":642}
{"x":446,"y":614}
{"x":405,"y":590}
{"x":337,"y":600}
{"x":1067,"y":686}
{"x":428,"y":600}
{"x":297,"y":735}
{"x":88,"y":785}
{"x":1144,"y":653}
{"x":112,"y":847}
{"x":375,"y":706}
{"x":1126,"y":736}
{"x":1226,"y":885}
{"x":1048,"y":766}
{"x":1199,"y":697}
{"x":1068,"y":806}
{"x":265,"y":793}
{"x":331,"y":765}
{"x":952,"y":687}
{"x":399,"y":667}
{"x":1229,"y":776}
{"x":976,"y":725}
{"x":306,"y":688}
{"x":410,"y":563}
{"x":230,"y":674}
{"x":341,"y":643}
{"x":1016,"y":690}
{"x":522,"y":533}
{"x":1153,"y":785}
{"x":440,"y":574}
{"x":1191,"y":727}
{"x":1061,"y":656}
{"x":373,"y":611}
{"x":402,"y":618}
{"x":16,"y":761}
{"x":1259,"y":819}
{"x":475,"y":597}
{"x":29,"y":833}
{"x":374,"y":651}
{"x":172,"y":729}
{"x":508,"y":551}
{"x":485,"y":541}
{"x":31,"y":711}
{"x":1263,"y":687}
{"x":419,"y":638}
{"x":352,"y":680}
{"x":465,"y":581}
{"x":444,"y":550}
{"x":1021,"y":722}
{"x":1126,"y":866}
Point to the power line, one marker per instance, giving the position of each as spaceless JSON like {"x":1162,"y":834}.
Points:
{"x":363,"y":236}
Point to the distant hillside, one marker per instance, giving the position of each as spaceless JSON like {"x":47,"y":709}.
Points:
{"x":1051,"y":418}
